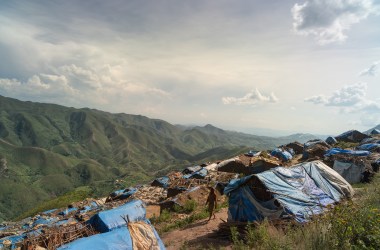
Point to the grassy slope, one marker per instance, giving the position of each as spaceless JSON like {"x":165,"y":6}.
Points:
{"x":51,"y":149}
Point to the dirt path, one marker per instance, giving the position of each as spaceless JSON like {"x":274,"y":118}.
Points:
{"x":197,"y":234}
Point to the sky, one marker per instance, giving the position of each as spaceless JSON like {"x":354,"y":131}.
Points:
{"x":263,"y":67}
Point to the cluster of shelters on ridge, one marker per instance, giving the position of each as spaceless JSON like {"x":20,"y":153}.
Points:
{"x":292,"y":182}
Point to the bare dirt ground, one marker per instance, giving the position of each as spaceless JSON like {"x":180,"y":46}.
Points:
{"x":198,"y":235}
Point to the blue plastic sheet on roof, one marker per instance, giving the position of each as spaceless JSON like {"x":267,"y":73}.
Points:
{"x":296,"y":191}
{"x":14,"y":239}
{"x":335,"y":151}
{"x":375,"y":132}
{"x":106,"y":221}
{"x":44,"y":221}
{"x":117,"y":239}
{"x":368,"y":146}
{"x":93,"y":205}
{"x":49,"y":211}
{"x":301,"y":190}
{"x":163,"y":181}
{"x":252,"y":153}
{"x":190,"y":170}
{"x":68,"y":210}
{"x":282,"y":154}
{"x":331,"y":140}
{"x":123,"y":193}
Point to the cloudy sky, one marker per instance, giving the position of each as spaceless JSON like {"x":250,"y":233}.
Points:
{"x":272,"y":67}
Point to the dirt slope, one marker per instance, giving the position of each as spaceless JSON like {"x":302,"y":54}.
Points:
{"x":197,"y":235}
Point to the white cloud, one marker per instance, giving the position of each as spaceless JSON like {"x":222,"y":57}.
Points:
{"x":74,"y":85}
{"x":347,"y":96}
{"x":371,"y":70}
{"x":251,"y":98}
{"x":350,"y":98}
{"x":328,"y":20}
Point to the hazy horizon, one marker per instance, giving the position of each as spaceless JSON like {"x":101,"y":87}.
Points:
{"x":285,"y":66}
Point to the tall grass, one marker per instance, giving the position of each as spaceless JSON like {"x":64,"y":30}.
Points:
{"x":350,"y":225}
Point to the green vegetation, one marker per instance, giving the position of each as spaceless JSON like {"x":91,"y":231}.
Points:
{"x":76,"y":195}
{"x":350,"y":225}
{"x":345,"y":145}
{"x":51,"y":150}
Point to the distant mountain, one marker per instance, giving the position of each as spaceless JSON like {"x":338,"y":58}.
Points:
{"x":47,"y":150}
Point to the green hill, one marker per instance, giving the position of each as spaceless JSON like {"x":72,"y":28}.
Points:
{"x":47,"y":150}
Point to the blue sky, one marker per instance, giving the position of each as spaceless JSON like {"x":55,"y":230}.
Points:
{"x":247,"y":65}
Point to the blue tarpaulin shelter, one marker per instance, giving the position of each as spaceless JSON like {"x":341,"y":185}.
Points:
{"x":368,"y":146}
{"x":122,"y":193}
{"x":331,"y":140}
{"x":201,"y":174}
{"x":335,"y":151}
{"x":117,"y":233}
{"x":13,"y":240}
{"x":161,"y":182}
{"x":121,"y":239}
{"x":190,"y":170}
{"x":300,"y":191}
{"x":281,"y":154}
{"x":106,"y":221}
{"x":351,"y":136}
{"x":375,"y":132}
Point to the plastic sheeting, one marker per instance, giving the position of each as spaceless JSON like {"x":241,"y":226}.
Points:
{"x":375,"y":132}
{"x":328,"y":180}
{"x":123,"y":193}
{"x":161,"y":182}
{"x":68,"y":210}
{"x":303,"y":190}
{"x":331,"y":140}
{"x":118,"y":239}
{"x":351,"y":136}
{"x":190,"y":170}
{"x":106,"y":221}
{"x":368,"y":146}
{"x":351,"y":172}
{"x":282,"y":154}
{"x":11,"y":241}
{"x":335,"y":151}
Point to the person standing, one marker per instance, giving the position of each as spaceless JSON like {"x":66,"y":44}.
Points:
{"x":211,"y":201}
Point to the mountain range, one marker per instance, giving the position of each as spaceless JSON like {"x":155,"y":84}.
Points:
{"x":47,"y":150}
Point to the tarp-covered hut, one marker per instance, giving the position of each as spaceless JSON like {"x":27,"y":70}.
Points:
{"x":351,"y":136}
{"x":298,"y":192}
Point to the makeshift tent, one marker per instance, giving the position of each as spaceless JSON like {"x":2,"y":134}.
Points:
{"x":106,"y":221}
{"x":375,"y":132}
{"x":137,"y":235}
{"x":211,"y":167}
{"x":351,"y":136}
{"x":369,"y":146}
{"x":331,"y":140}
{"x":161,"y":182}
{"x":262,"y":165}
{"x":281,"y":154}
{"x":315,"y":148}
{"x":173,"y":191}
{"x":190,"y":170}
{"x":252,"y":153}
{"x":200,"y":174}
{"x":121,"y":194}
{"x":68,"y":210}
{"x":353,"y":171}
{"x":11,"y":242}
{"x":299,"y":192}
{"x":233,"y":165}
{"x":335,"y":151}
{"x":296,"y":146}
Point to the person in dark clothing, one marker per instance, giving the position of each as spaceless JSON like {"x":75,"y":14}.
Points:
{"x":211,"y":201}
